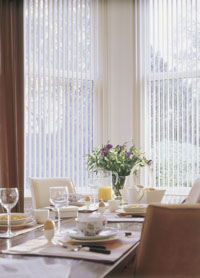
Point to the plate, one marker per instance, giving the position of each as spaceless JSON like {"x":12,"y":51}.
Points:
{"x":16,"y":218}
{"x":25,"y":223}
{"x":140,"y":208}
{"x":119,"y":235}
{"x":106,"y":233}
{"x":121,"y":211}
{"x":77,"y":204}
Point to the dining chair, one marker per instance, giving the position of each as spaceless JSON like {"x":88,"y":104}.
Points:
{"x":194,"y":194}
{"x":170,"y":242}
{"x":40,"y":189}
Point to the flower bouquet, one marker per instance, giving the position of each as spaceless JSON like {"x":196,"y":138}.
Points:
{"x":120,"y":159}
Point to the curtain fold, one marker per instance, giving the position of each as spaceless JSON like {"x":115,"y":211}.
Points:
{"x":12,"y":97}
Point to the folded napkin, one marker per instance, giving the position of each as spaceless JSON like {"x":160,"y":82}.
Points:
{"x":67,"y":212}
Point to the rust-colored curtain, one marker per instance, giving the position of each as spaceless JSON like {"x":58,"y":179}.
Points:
{"x":12,"y":97}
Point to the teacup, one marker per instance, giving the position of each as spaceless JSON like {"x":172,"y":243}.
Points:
{"x":113,"y":205}
{"x":74,"y":197}
{"x":91,"y":225}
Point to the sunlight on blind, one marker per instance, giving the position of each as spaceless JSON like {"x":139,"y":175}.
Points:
{"x":172,"y":89}
{"x":60,"y":71}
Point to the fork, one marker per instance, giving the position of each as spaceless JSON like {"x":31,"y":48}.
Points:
{"x":97,"y":249}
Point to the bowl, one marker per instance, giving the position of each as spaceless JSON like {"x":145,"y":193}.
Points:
{"x":74,"y":197}
{"x":92,"y":225}
{"x":152,"y":195}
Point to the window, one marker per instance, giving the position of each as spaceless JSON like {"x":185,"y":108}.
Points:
{"x":172,"y":90}
{"x":60,"y":78}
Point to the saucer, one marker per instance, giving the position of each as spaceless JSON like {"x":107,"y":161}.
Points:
{"x":133,"y":213}
{"x":119,"y":235}
{"x":135,"y":208}
{"x":77,"y":204}
{"x":106,"y":233}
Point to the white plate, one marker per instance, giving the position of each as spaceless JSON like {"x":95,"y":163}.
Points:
{"x":28,"y":222}
{"x":106,"y":233}
{"x":16,"y":221}
{"x":77,"y":204}
{"x":117,"y":236}
{"x":121,"y":211}
{"x":135,"y":208}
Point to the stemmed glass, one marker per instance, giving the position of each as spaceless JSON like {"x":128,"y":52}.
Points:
{"x":58,"y":198}
{"x":8,"y":199}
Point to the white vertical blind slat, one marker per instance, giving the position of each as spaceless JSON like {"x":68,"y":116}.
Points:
{"x":86,"y":82}
{"x":63,"y":88}
{"x":187,"y":98}
{"x":182,"y":103}
{"x":77,"y":87}
{"x":44,"y":90}
{"x":34,"y":90}
{"x":178,"y":92}
{"x":54,"y":89}
{"x":72,"y":86}
{"x":197,"y":100}
{"x":59,"y":109}
{"x":81,"y":92}
{"x":39,"y":92}
{"x":49,"y":90}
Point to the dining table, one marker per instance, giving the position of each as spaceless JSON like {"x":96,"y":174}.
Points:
{"x":80,"y":266}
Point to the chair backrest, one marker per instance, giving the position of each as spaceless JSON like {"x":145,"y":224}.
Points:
{"x":170,"y":242}
{"x":40,"y":189}
{"x":194,"y":194}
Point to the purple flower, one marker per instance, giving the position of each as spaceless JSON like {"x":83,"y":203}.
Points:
{"x":109,"y":146}
{"x":149,"y":162}
{"x":105,"y":152}
{"x":128,"y":154}
{"x":120,"y":147}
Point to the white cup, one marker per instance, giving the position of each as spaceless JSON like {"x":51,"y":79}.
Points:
{"x":41,"y":215}
{"x":135,"y":195}
{"x":92,"y":225}
{"x":113,"y":205}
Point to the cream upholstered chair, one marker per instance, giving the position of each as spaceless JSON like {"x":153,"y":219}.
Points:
{"x":194,"y":194}
{"x":40,"y":189}
{"x":170,"y":242}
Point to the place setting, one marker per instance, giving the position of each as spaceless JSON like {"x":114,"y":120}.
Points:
{"x":92,"y":229}
{"x":13,"y":221}
{"x":90,"y":239}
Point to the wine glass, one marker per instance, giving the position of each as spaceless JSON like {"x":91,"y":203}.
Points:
{"x":8,"y":199}
{"x":58,"y":197}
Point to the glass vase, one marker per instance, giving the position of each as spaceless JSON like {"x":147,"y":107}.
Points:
{"x":119,"y":184}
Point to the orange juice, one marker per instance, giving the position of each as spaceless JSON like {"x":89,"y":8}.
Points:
{"x":105,"y":193}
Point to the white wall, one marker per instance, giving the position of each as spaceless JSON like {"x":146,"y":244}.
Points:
{"x":118,"y":36}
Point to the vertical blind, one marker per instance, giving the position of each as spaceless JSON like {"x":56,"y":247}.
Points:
{"x":170,"y":32}
{"x":60,"y":73}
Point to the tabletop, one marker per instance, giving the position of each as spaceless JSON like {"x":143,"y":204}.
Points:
{"x":79,"y":267}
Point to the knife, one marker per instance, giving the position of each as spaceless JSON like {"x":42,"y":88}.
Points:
{"x":97,"y":250}
{"x":94,"y":246}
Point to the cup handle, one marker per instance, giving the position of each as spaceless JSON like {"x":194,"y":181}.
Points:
{"x":141,"y":190}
